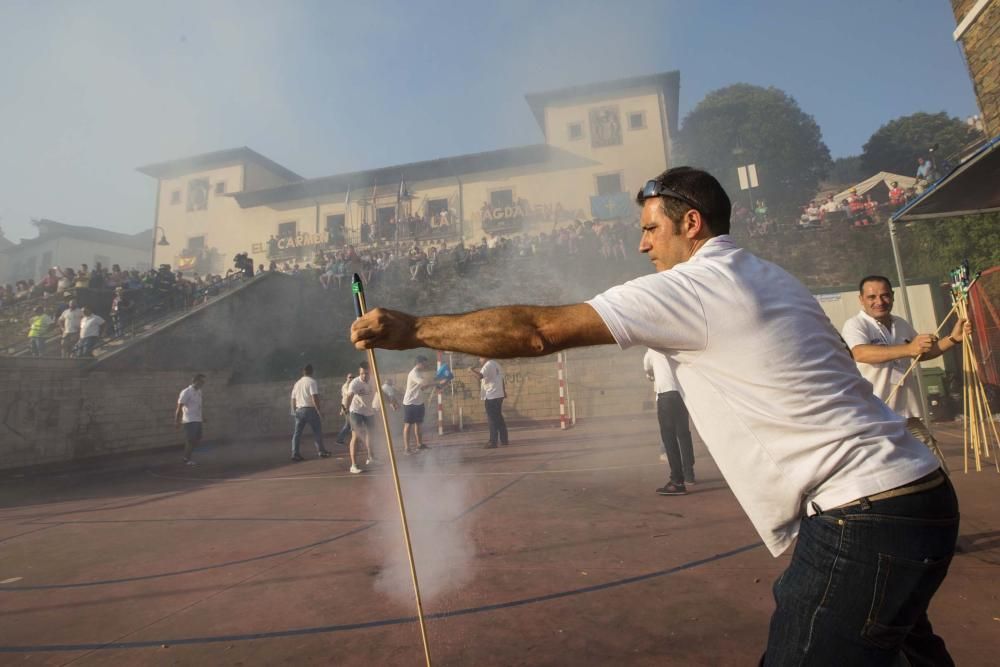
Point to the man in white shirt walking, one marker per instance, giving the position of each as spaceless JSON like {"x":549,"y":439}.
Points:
{"x":414,"y":398}
{"x":361,"y":397}
{"x":188,"y":416}
{"x":492,"y":392}
{"x":306,"y":406}
{"x":807,"y":449}
{"x":672,"y":415}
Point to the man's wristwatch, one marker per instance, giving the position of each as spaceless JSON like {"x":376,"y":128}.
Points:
{"x":952,"y":339}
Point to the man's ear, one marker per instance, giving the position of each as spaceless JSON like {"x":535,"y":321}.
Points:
{"x":693,"y":224}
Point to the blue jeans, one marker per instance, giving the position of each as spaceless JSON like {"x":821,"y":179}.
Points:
{"x":857,"y":589}
{"x":87,"y":346}
{"x":345,"y":430}
{"x":37,"y":346}
{"x":308,"y":416}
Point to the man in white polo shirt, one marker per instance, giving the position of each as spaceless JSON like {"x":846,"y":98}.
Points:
{"x":672,"y":416}
{"x":414,"y":397}
{"x":805,"y":446}
{"x":188,"y":416}
{"x":492,"y":391}
{"x":306,"y":405}
{"x":884,"y":346}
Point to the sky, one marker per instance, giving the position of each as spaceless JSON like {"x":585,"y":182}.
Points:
{"x":89,"y":91}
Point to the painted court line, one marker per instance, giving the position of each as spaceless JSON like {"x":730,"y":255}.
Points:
{"x":325,"y":629}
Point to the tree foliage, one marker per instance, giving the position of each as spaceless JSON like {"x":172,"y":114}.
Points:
{"x":896,"y":145}
{"x":742,"y":124}
{"x":846,"y":171}
{"x":932,"y":248}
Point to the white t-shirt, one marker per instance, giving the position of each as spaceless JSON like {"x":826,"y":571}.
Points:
{"x":190,"y":402}
{"x":414,"y":394}
{"x":90,"y":325}
{"x":863,"y":329}
{"x":345,"y":389}
{"x":769,"y":385}
{"x":663,"y":376}
{"x":491,"y":385}
{"x":364,"y":397}
{"x":303,"y":392}
{"x":70,"y":320}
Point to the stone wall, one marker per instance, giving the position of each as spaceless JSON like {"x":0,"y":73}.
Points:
{"x":981,"y":43}
{"x":54,"y":412}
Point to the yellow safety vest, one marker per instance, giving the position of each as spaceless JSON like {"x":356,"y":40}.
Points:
{"x":38,"y":326}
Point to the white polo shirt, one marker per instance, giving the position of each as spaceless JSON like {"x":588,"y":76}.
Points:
{"x":303,"y":392}
{"x":769,"y":385}
{"x":863,"y":329}
{"x":491,"y":385}
{"x":70,"y":319}
{"x":190,"y":402}
{"x":663,"y":376}
{"x":90,"y":325}
{"x":414,"y":394}
{"x":364,"y":396}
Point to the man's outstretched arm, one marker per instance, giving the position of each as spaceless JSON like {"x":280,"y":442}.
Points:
{"x":500,"y":333}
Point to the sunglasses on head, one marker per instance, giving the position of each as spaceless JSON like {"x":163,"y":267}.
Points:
{"x":655,"y":188}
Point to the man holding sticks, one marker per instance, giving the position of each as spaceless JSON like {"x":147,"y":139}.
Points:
{"x":805,"y":446}
{"x":887,"y":348}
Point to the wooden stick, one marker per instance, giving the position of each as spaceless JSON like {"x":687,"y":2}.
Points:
{"x":916,"y":359}
{"x":360,"y":309}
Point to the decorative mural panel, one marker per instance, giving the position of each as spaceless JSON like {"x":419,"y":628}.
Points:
{"x":605,"y":127}
{"x":197,"y":197}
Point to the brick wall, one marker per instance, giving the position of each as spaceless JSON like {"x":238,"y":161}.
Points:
{"x":981,"y":43}
{"x":54,"y":412}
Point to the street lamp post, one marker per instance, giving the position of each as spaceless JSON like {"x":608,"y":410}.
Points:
{"x":162,"y":242}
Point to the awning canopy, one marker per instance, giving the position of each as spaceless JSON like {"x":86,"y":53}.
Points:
{"x":884,"y":178}
{"x":971,"y":187}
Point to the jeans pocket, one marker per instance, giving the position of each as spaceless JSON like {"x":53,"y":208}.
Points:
{"x":903,"y":589}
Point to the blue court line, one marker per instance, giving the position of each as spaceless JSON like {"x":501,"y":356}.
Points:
{"x":324,"y":629}
{"x":146,"y":577}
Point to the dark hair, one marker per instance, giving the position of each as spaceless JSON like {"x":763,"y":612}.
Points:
{"x":421,"y":359}
{"x":364,"y":365}
{"x":198,"y":376}
{"x":307,"y":369}
{"x":873,"y":279}
{"x":698,"y":186}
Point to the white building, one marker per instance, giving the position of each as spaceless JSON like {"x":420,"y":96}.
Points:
{"x":62,"y":245}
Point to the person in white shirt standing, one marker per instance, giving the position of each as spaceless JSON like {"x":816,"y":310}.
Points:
{"x":809,"y":452}
{"x":345,"y":430}
{"x":414,"y":408}
{"x":492,"y":392}
{"x":91,"y":326}
{"x":884,"y":345}
{"x":673,"y":418}
{"x":189,"y":416}
{"x":306,"y":405}
{"x":69,"y":320}
{"x":361,"y":397}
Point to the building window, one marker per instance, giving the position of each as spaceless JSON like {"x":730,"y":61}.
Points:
{"x":335,"y":223}
{"x":501,"y":198}
{"x":637,"y":120}
{"x":286,"y":229}
{"x":575,"y":131}
{"x":436,"y":206}
{"x":196,"y":243}
{"x":175,"y":197}
{"x":609,"y":184}
{"x":220,"y":188}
